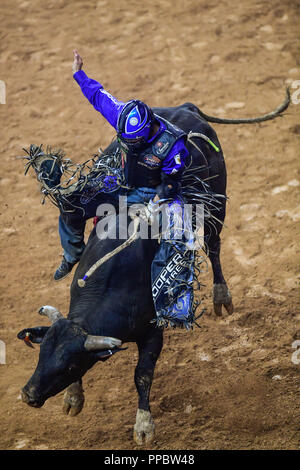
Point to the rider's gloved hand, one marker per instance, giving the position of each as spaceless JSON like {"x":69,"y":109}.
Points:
{"x":78,"y":62}
{"x":168,"y":188}
{"x":149,"y":212}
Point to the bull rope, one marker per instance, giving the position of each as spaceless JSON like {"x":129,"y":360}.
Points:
{"x":204,"y":137}
{"x":132,"y":238}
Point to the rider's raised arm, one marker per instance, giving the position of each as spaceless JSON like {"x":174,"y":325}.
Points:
{"x":103,"y":102}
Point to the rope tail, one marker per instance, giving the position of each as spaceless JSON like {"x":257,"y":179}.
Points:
{"x":94,"y":267}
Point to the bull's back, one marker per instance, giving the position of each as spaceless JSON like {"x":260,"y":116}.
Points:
{"x":117,"y":298}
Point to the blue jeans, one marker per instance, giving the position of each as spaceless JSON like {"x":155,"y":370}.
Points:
{"x":71,"y":226}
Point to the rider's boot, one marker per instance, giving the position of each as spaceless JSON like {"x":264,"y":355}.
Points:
{"x":63,"y":270}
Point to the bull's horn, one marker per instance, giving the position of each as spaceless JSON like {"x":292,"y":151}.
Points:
{"x":96,"y":343}
{"x":51,"y":312}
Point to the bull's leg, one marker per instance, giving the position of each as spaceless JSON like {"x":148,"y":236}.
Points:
{"x":73,"y":399}
{"x":149,"y":351}
{"x":221,"y":293}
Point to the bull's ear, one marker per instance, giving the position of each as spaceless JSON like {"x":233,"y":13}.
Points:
{"x":33,"y":335}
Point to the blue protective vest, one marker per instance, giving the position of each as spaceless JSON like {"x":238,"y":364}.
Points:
{"x":144,"y":169}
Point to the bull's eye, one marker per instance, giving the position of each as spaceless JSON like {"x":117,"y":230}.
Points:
{"x":72,"y":369}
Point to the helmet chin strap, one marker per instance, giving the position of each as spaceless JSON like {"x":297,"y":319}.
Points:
{"x":154,"y":128}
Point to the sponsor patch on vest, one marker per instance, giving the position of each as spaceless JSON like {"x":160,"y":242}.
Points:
{"x":177,"y":159}
{"x":161,"y":147}
{"x":151,"y":160}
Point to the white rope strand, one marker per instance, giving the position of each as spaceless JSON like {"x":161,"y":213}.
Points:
{"x":132,"y":238}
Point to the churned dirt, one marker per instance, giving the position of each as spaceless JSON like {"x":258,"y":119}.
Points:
{"x":234,"y":383}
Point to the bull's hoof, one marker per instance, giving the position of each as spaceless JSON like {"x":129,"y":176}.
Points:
{"x":73,"y":399}
{"x":144,"y":428}
{"x":222,"y":296}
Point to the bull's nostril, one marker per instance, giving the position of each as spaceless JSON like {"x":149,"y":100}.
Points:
{"x":26,"y":398}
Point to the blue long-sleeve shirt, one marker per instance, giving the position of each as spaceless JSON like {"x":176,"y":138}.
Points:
{"x":110,"y":108}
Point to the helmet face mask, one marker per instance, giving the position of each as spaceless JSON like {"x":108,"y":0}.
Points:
{"x":132,"y":144}
{"x":134,"y":124}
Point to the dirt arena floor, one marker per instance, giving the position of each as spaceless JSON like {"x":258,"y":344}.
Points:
{"x":234,"y":383}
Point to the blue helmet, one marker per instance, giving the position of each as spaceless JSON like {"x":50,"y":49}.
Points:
{"x":134,"y":123}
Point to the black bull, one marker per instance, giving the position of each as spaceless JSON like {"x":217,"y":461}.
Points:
{"x":117,"y":301}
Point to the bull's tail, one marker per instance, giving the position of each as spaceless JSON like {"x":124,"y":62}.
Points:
{"x":266,"y":117}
